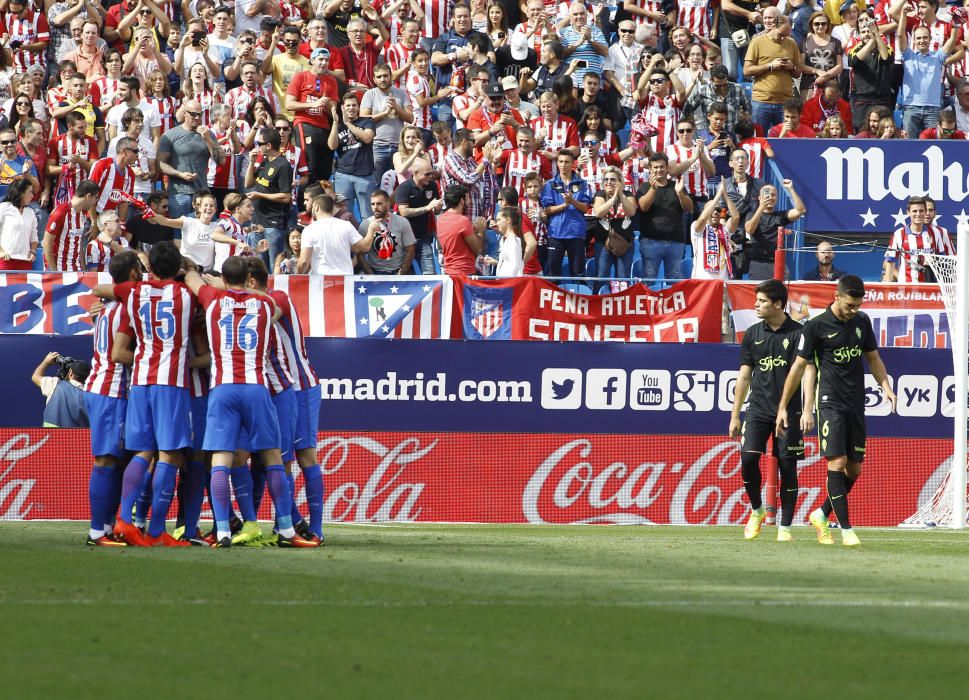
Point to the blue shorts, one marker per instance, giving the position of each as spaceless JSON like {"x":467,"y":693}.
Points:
{"x":158,"y":418}
{"x":200,"y":404}
{"x":285,"y":404}
{"x":107,"y":417}
{"x":308,"y":420}
{"x":240,"y":415}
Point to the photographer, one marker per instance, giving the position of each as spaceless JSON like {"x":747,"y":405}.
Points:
{"x":64,"y":393}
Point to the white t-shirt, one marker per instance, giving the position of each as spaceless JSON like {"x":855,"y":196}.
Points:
{"x":152,"y":118}
{"x":197,"y":244}
{"x":510,"y":261}
{"x":330,"y":240}
{"x":146,"y":152}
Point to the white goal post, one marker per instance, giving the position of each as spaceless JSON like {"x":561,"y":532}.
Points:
{"x":947,"y":507}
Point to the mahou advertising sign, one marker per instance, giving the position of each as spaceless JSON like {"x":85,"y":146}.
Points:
{"x":511,"y":478}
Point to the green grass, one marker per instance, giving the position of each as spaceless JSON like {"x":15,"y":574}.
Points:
{"x":487,"y":611}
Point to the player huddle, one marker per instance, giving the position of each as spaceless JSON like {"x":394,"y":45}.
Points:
{"x":780,"y":359}
{"x":218,"y":373}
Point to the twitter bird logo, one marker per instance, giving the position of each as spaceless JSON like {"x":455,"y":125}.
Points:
{"x":561,"y":388}
{"x":561,"y":391}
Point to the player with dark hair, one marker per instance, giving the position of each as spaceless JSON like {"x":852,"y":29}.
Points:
{"x":836,"y":341}
{"x":768,"y":351}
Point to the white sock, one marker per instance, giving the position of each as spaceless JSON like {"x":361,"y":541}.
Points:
{"x":95,"y":534}
{"x":287,"y":532}
{"x":108,"y":529}
{"x":221,"y":535}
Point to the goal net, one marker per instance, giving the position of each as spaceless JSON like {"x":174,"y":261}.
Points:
{"x":947,"y":506}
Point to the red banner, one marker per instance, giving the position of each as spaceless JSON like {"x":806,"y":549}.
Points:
{"x":530,"y":308}
{"x":902,"y":315}
{"x":620,"y":479}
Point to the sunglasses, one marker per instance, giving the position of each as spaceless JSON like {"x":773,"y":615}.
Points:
{"x":820,"y":24}
{"x":657,"y":81}
{"x":627,"y":31}
{"x":7,"y":143}
{"x":247,"y":41}
{"x":684,"y":131}
{"x":283,"y":128}
{"x":197,"y":115}
{"x":260,"y":144}
{"x":132,"y":150}
{"x":590,"y":143}
{"x":144,"y":12}
{"x":291,"y":42}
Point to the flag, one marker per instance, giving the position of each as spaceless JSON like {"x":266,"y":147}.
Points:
{"x":487,"y":312}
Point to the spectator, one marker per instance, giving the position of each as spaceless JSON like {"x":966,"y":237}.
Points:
{"x":922,"y":71}
{"x":309,"y":96}
{"x":888,"y":130}
{"x":284,"y":66}
{"x":662,"y":98}
{"x":792,"y":127}
{"x":30,"y":33}
{"x":14,"y":165}
{"x":719,"y":143}
{"x":350,"y":139}
{"x":64,"y":394}
{"x":514,"y":101}
{"x":32,"y":146}
{"x":478,"y":179}
{"x":399,"y":54}
{"x":116,"y":178}
{"x":392,"y":250}
{"x":416,"y":200}
{"x":70,"y":156}
{"x":145,"y":233}
{"x":328,"y":245}
{"x":78,"y":100}
{"x":511,"y":249}
{"x":18,"y":225}
{"x":418,"y":87}
{"x":742,"y":189}
{"x":145,"y":57}
{"x":566,"y":199}
{"x":825,"y":271}
{"x":719,"y":91}
{"x":772,"y":60}
{"x":183,"y":155}
{"x":354,"y":63}
{"x":128,"y":98}
{"x":662,"y":204}
{"x":145,"y":167}
{"x":461,"y":240}
{"x":269,"y":181}
{"x":449,"y":53}
{"x":822,"y":54}
{"x":834,"y":128}
{"x":239,"y":98}
{"x":551,"y":67}
{"x":286,"y":262}
{"x":826,"y":101}
{"x":738,"y":21}
{"x":65,"y":236}
{"x":758,"y":149}
{"x":615,"y":213}
{"x":536,"y":26}
{"x":711,"y":236}
{"x":761,"y":228}
{"x":946,"y":128}
{"x":88,"y":57}
{"x":873,"y":118}
{"x":583,"y":42}
{"x":873,"y":74}
{"x":389,"y":108}
{"x":961,"y":107}
{"x":620,"y":65}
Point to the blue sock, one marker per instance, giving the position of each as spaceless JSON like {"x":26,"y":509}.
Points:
{"x":258,"y":486}
{"x":99,"y":495}
{"x":294,"y":510}
{"x":117,"y":476}
{"x":220,"y":495}
{"x":132,"y":481}
{"x":163,"y":490}
{"x":144,"y":499}
{"x":279,"y":492}
{"x":313,"y":479}
{"x":242,"y":485}
{"x":194,"y":494}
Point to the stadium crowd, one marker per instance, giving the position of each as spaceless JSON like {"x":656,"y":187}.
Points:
{"x":500,"y":136}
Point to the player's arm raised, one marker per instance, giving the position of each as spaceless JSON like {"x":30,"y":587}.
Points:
{"x":739,"y":394}
{"x":880,"y":374}
{"x":792,"y":384}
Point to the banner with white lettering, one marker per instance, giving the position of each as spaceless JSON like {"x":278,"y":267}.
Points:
{"x":860,"y":185}
{"x":902,"y":315}
{"x":530,"y":308}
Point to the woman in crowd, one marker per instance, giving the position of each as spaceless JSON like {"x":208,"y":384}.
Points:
{"x":224,"y":177}
{"x":410,"y":148}
{"x":694,"y":72}
{"x":197,"y":87}
{"x":479,"y":15}
{"x":18,"y":228}
{"x":497,"y":29}
{"x":259,"y":115}
{"x":158,"y":93}
{"x":23,"y":109}
{"x":592,"y":121}
{"x":822,"y":52}
{"x":145,"y":57}
{"x":235,"y":224}
{"x":285,"y":263}
{"x":614,"y":210}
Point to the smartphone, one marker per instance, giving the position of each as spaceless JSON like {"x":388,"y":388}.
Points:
{"x":197,"y":37}
{"x":581,"y":64}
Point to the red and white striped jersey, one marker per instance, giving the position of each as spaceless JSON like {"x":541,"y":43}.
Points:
{"x":61,"y":148}
{"x":907,"y":250}
{"x":518,"y":164}
{"x":532,"y":210}
{"x":103,"y":91}
{"x":939,"y":33}
{"x":882,"y":17}
{"x":695,"y":16}
{"x":279,"y":372}
{"x":635,"y":172}
{"x":417,"y":86}
{"x":99,"y":253}
{"x":29,"y":30}
{"x":943,"y":242}
{"x":650,"y":5}
{"x":756,"y":158}
{"x":696,"y":176}
{"x":55,"y":95}
{"x":237,"y":324}
{"x":459,"y":104}
{"x":397,"y":55}
{"x":437,"y":17}
{"x":166,"y":106}
{"x":591,"y":172}
{"x":208,"y":99}
{"x":198,"y":377}
{"x":535,"y":41}
{"x":223,"y":251}
{"x":108,"y":378}
{"x":662,"y":113}
{"x":239,"y":99}
{"x":68,"y":228}
{"x":290,"y":329}
{"x":160,"y":312}
{"x":110,"y":179}
{"x":562,"y":133}
{"x":297,"y":161}
{"x":438,"y":154}
{"x":223,"y":175}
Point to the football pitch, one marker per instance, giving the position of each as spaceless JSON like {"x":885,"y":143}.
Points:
{"x":451,"y":611}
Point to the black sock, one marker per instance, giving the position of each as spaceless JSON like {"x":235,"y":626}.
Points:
{"x":838,"y":495}
{"x":826,"y":506}
{"x":750,"y":471}
{"x":789,"y":490}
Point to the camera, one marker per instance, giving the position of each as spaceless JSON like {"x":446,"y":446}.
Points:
{"x":64,"y":365}
{"x":197,"y":37}
{"x":15,"y":43}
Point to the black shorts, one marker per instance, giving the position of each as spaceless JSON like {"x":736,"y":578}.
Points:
{"x":842,"y":433}
{"x":755,"y":431}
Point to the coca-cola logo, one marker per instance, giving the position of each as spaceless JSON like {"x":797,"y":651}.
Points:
{"x":568,"y":487}
{"x":15,"y":493}
{"x":385,"y":496}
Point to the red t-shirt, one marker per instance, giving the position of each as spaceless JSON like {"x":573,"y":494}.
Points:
{"x":801,"y":132}
{"x":304,"y":86}
{"x":451,"y":231}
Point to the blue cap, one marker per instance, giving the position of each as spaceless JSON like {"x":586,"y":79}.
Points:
{"x":319,"y":52}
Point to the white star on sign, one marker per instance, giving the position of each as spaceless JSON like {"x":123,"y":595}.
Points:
{"x":361,"y":289}
{"x":363,"y":322}
{"x":868,"y":218}
{"x":385,"y":329}
{"x":962,"y":218}
{"x":405,"y":307}
{"x":900,"y":218}
{"x":393,"y":290}
{"x":427,"y":288}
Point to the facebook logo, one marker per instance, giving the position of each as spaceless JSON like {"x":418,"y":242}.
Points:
{"x":918,"y":395}
{"x":605,"y":389}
